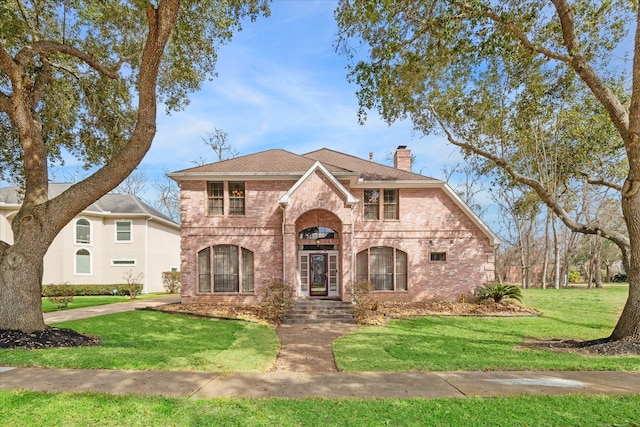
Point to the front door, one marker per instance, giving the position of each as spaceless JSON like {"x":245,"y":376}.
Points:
{"x":318,"y":274}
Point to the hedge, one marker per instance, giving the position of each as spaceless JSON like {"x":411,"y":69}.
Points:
{"x":89,"y":290}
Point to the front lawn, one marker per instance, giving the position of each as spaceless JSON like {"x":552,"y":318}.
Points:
{"x":153,"y":340}
{"x":61,"y":409}
{"x":471,"y":343}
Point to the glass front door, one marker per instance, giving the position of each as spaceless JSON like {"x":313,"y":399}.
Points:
{"x":318,"y":274}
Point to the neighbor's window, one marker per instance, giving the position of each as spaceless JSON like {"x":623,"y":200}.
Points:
{"x":123,"y":231}
{"x":225,"y":268}
{"x":236,"y":198}
{"x":123,"y":262}
{"x":391,"y":204}
{"x":371,"y":203}
{"x":385,"y":267}
{"x":215,"y":198}
{"x":83,"y":262}
{"x":83,"y":231}
{"x":438,"y":256}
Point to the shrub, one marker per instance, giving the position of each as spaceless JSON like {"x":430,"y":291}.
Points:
{"x":133,"y":285}
{"x":574,"y":276}
{"x":59,"y":294}
{"x":92,"y":290}
{"x":498,"y":292}
{"x":363,"y":303}
{"x":171,"y":281}
{"x":276,"y":297}
{"x":620,"y":278}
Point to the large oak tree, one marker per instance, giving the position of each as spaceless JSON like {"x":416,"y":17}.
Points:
{"x":83,"y":78}
{"x":510,"y":80}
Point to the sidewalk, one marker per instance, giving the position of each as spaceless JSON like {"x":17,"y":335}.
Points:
{"x":99,"y":310}
{"x":321,"y":384}
{"x":305,"y":368}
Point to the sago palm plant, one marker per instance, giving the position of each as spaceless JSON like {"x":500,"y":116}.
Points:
{"x":499,"y":291}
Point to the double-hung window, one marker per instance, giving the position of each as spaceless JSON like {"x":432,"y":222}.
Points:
{"x":215,"y":198}
{"x":371,"y":203}
{"x":83,"y":232}
{"x":123,"y":231}
{"x":234,"y":198}
{"x":388,"y":205}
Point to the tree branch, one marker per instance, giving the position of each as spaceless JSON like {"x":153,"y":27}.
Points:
{"x":517,"y":32}
{"x":619,"y":239}
{"x":7,"y":64}
{"x":611,"y":103}
{"x":43,"y":47}
{"x":5,"y":104}
{"x":603,"y":183}
{"x":161,"y":21}
{"x":40,"y":85}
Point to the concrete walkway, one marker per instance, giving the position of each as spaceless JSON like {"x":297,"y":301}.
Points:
{"x":99,"y":310}
{"x":305,"y":368}
{"x":321,"y":384}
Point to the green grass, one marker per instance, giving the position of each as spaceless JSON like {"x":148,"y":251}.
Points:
{"x":471,"y":343}
{"x":159,"y":341}
{"x":91,"y":301}
{"x":31,"y":408}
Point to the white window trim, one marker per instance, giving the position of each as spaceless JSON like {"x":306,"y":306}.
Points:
{"x":75,"y":233}
{"x":132,"y":264}
{"x":115,"y":231}
{"x":75,"y":263}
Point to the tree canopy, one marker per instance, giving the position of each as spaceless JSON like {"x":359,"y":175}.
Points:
{"x":84,"y":78}
{"x":82,"y":61}
{"x":541,"y":94}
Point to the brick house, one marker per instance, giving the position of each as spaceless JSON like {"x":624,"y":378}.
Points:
{"x":323,"y":220}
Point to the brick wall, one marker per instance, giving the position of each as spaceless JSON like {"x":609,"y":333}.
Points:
{"x":429,"y":222}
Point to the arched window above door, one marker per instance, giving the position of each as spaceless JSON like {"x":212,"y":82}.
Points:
{"x":313,"y":238}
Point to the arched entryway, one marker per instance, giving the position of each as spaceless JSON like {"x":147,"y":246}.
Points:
{"x":318,"y":249}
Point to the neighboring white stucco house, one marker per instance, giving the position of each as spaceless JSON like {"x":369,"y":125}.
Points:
{"x":116,"y":234}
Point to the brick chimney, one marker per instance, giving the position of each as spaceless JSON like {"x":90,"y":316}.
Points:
{"x":402,"y":158}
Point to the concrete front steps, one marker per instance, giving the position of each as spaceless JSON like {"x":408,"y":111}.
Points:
{"x":310,"y":311}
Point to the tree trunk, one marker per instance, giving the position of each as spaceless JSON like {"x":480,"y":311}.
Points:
{"x":597,"y":262}
{"x":21,"y":268}
{"x":39,"y":219}
{"x":628,"y":326}
{"x":545,"y":265}
{"x":20,"y":291}
{"x":556,"y":255}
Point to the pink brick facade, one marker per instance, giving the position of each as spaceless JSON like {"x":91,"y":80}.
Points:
{"x":285,"y":194}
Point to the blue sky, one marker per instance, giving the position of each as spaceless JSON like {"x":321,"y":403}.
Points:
{"x":281,"y":85}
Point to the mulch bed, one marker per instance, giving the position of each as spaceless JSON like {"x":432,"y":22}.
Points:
{"x":49,"y":338}
{"x":222,"y":310}
{"x":601,"y":347}
{"x":385,"y":310}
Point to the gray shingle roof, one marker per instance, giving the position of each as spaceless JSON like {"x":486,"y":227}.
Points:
{"x":269,"y":161}
{"x":109,"y":203}
{"x":282,"y":161}
{"x":369,"y":170}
